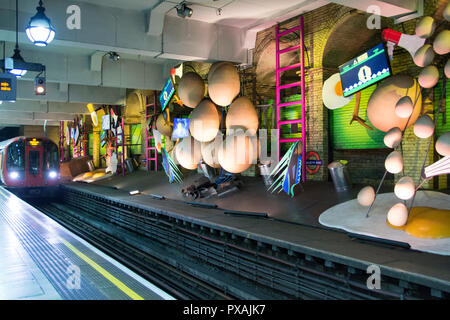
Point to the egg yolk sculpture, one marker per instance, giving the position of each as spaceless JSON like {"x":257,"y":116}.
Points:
{"x":242,"y":113}
{"x":238,"y":152}
{"x":426,"y":223}
{"x":191,"y":89}
{"x":382,"y":102}
{"x":204,"y":121}
{"x":187,"y":153}
{"x":164,"y":127}
{"x":223,"y":84}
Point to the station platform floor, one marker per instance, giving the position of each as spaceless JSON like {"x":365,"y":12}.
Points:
{"x":293,"y":222}
{"x":41,"y":260}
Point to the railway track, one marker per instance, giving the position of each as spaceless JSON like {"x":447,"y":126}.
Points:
{"x":190,"y":261}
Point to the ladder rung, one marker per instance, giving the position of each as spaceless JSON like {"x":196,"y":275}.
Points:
{"x":291,"y":103}
{"x":285,"y":32}
{"x":280,"y":123}
{"x":297,"y":65}
{"x":290,"y":140}
{"x":290,"y":85}
{"x":288,"y":49}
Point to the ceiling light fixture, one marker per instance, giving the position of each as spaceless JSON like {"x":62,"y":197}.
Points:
{"x":40,"y":30}
{"x":184,"y":11}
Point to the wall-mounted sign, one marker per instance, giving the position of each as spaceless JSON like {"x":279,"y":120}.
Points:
{"x":166,"y":94}
{"x":7,"y":87}
{"x":180,"y":128}
{"x":106,"y":123}
{"x":364,"y":70}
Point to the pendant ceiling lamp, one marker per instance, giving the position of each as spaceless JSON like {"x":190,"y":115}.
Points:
{"x":40,"y":30}
{"x":18,"y":70}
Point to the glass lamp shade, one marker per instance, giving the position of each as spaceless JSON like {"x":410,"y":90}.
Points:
{"x":39,"y":30}
{"x":17,"y":58}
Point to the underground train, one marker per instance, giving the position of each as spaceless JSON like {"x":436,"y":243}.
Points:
{"x":29,"y":166}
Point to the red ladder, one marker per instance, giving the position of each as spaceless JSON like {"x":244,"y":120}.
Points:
{"x":150,"y":144}
{"x":300,"y":83}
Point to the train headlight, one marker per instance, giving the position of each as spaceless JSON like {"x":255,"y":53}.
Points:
{"x":14,"y":175}
{"x":52,"y":174}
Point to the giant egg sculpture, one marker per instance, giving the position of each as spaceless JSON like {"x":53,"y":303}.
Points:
{"x":223,"y":84}
{"x":404,"y":107}
{"x":428,"y":77}
{"x":366,"y":196}
{"x":393,"y":137}
{"x":441,"y":44}
{"x":443,"y":144}
{"x":210,"y":151}
{"x":446,"y":12}
{"x":425,"y":27}
{"x":242,"y":113}
{"x":404,"y":189}
{"x":383,"y":101}
{"x":187,"y":153}
{"x":398,"y":215}
{"x":424,"y":56}
{"x":447,"y":69}
{"x":191,"y":89}
{"x":204,"y":121}
{"x":162,"y":126}
{"x":394,"y":162}
{"x":237,"y":152}
{"x":424,"y":127}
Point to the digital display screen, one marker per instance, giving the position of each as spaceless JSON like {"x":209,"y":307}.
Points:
{"x":166,"y":94}
{"x":180,"y":128}
{"x":364,"y":70}
{"x":7,"y":87}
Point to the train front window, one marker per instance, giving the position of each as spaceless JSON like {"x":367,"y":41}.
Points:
{"x":50,"y":156}
{"x":15,"y":159}
{"x":33,"y":162}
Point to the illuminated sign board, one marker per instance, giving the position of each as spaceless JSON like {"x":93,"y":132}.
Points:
{"x":166,"y":94}
{"x":34,"y":142}
{"x":365,"y":70}
{"x":180,"y":128}
{"x":7,"y":87}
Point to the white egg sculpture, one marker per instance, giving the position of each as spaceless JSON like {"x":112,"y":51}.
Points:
{"x":237,"y":152}
{"x":223,"y":84}
{"x":404,"y":189}
{"x":441,"y":44}
{"x":242,"y":113}
{"x":428,"y":77}
{"x":191,"y":89}
{"x":210,"y":151}
{"x":443,"y":144}
{"x":404,"y":107}
{"x":424,"y":127}
{"x":424,"y":56}
{"x":394,"y":162}
{"x":366,"y":196}
{"x":393,"y":137}
{"x":188,"y":153}
{"x":398,"y":215}
{"x":425,"y":27}
{"x":382,"y":102}
{"x":446,"y":12}
{"x":447,"y":69}
{"x":204,"y":121}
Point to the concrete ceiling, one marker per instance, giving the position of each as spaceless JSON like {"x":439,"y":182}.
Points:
{"x":147,"y":34}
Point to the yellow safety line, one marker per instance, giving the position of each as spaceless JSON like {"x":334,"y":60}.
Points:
{"x":133,"y":295}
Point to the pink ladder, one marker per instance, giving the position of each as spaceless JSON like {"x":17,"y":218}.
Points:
{"x":151,"y":153}
{"x":300,"y":83}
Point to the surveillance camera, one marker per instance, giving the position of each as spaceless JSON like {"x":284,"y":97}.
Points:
{"x":114,"y":56}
